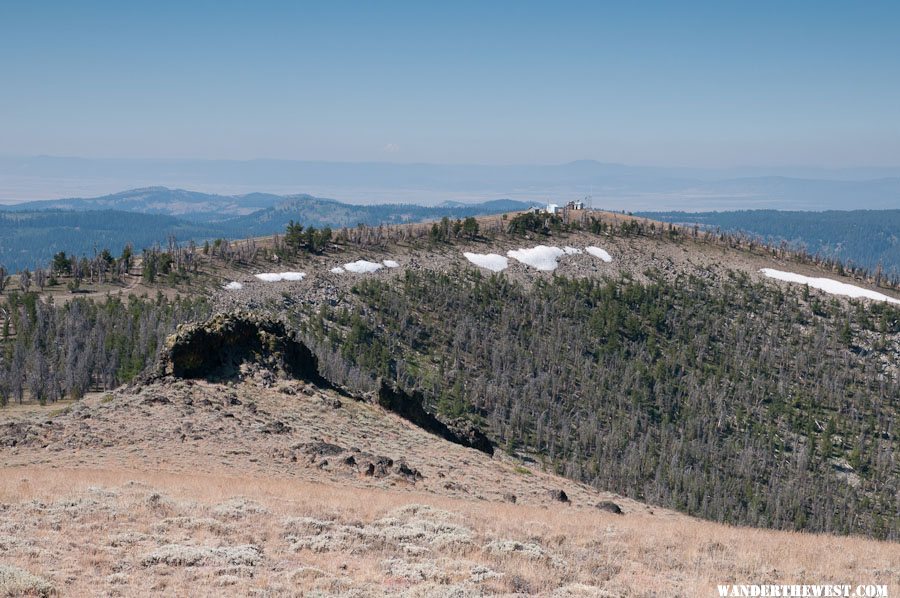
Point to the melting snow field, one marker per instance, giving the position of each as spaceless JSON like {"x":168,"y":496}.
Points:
{"x":363,"y":267}
{"x":829,"y":286}
{"x":601,"y":253}
{"x":489,"y":261}
{"x":234,"y":286}
{"x":541,"y":257}
{"x":279,"y":276}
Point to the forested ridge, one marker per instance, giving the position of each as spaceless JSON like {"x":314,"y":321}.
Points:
{"x":731,"y":400}
{"x":713,"y":393}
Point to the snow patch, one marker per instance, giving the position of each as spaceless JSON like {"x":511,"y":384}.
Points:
{"x":234,"y":286}
{"x":541,"y":257}
{"x":280,"y":276}
{"x":363,"y":267}
{"x":601,"y":253}
{"x":391,"y":263}
{"x":337,"y":270}
{"x":489,"y":261}
{"x":829,"y":286}
{"x":571,"y":250}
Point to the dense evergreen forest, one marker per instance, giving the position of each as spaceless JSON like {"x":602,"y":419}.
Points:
{"x":50,"y":352}
{"x":731,"y":400}
{"x":868,"y":238}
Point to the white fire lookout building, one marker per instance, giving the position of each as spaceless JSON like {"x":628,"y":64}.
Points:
{"x":553,"y":208}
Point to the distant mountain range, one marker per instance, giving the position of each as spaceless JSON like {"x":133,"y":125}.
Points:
{"x":613,"y":186}
{"x":262,"y":207}
{"x":161,"y":200}
{"x":30,"y":233}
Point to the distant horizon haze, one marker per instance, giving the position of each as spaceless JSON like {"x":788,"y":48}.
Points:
{"x":609,"y":185}
{"x":698,"y":84}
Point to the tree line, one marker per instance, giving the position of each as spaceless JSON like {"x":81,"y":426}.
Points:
{"x":50,"y":352}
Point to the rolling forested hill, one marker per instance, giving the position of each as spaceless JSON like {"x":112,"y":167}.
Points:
{"x":30,"y":234}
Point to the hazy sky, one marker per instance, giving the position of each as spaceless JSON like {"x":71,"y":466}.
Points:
{"x":674,"y":83}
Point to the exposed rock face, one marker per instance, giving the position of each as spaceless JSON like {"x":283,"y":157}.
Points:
{"x":467,"y":434}
{"x":217,"y":348}
{"x":409,"y":406}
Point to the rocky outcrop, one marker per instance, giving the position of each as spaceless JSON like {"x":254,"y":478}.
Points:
{"x":410,"y":407}
{"x":243,"y":344}
{"x":468,"y":434}
{"x":558,"y":495}
{"x":218,"y":348}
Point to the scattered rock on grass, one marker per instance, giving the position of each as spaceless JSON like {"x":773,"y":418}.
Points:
{"x":610,"y":506}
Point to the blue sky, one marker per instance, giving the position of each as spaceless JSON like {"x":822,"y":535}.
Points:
{"x":688,"y":84}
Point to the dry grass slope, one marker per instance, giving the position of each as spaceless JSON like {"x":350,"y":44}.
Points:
{"x":127,"y":533}
{"x":190,"y":488}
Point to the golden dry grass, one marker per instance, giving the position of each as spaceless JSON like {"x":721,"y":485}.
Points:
{"x":90,"y":531}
